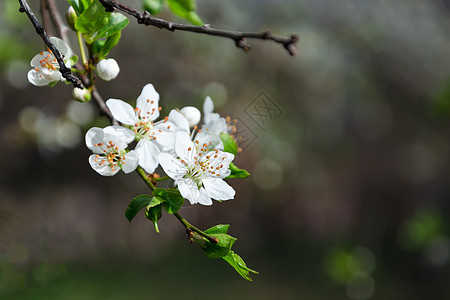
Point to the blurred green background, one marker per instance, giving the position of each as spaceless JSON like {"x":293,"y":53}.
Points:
{"x":349,"y":196}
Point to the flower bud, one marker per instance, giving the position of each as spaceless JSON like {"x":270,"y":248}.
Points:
{"x":192,"y":114}
{"x":71,"y":17}
{"x":108,"y":69}
{"x":81,"y":95}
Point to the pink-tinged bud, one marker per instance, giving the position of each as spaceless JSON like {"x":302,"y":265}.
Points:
{"x":108,"y":69}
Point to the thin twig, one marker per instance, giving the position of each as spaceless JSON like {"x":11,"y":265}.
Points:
{"x":57,"y":20}
{"x":45,"y":16}
{"x":290,"y":44}
{"x":65,"y":71}
{"x":190,"y":227}
{"x":99,"y":101}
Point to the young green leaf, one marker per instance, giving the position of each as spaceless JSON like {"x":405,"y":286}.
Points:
{"x":194,"y":18}
{"x":104,"y":47}
{"x":172,"y":197}
{"x":79,"y":5}
{"x":73,"y":59}
{"x":153,"y":6}
{"x":239,"y":265}
{"x":219,"y":250}
{"x":236,"y":172}
{"x":136,"y":205}
{"x":95,"y":23}
{"x":154,"y":213}
{"x":229,"y":144}
{"x":221,"y":228}
{"x":185,"y":9}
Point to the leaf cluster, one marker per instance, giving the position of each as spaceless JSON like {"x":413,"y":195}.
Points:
{"x":223,"y":249}
{"x":169,"y":199}
{"x":100,"y":29}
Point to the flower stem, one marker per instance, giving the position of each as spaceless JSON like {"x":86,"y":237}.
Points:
{"x":161,"y":178}
{"x":82,"y":50}
{"x":144,"y":177}
{"x":189,"y":226}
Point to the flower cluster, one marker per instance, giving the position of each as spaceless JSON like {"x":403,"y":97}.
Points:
{"x":195,"y":159}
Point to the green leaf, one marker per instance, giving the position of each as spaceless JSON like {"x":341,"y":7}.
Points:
{"x":73,"y":59}
{"x":154,"y":213}
{"x":239,"y":265}
{"x":101,"y":48}
{"x":95,"y":23}
{"x":172,"y":197}
{"x":182,"y":7}
{"x":236,"y":172}
{"x":194,"y":18}
{"x":136,"y":205}
{"x":220,"y":249}
{"x":53,"y":83}
{"x":79,"y":5}
{"x":153,"y":6}
{"x":185,"y":9}
{"x":221,"y":228}
{"x":97,"y":47}
{"x":229,"y":144}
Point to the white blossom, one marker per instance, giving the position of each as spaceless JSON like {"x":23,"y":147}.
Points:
{"x":153,"y":137}
{"x":213,"y":126}
{"x":198,"y":172}
{"x":108,"y":69}
{"x":108,"y":145}
{"x":45,"y":66}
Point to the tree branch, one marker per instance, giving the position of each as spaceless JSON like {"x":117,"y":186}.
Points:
{"x":45,"y":16}
{"x":239,"y":38}
{"x":57,"y":20}
{"x":99,"y":101}
{"x":65,"y":71}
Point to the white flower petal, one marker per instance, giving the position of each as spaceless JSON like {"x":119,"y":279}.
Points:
{"x":179,"y":120}
{"x":114,"y":140}
{"x":94,"y":136}
{"x":130,"y":161}
{"x":122,"y":111}
{"x":148,"y":155}
{"x":62,"y":47}
{"x":208,"y":106}
{"x":37,"y":78}
{"x":104,"y":168}
{"x":36,"y":61}
{"x":148,"y":102}
{"x":189,"y":190}
{"x":172,"y":166}
{"x":125,"y":134}
{"x":211,"y":132}
{"x":184,"y":147}
{"x":218,"y":189}
{"x":203,"y":197}
{"x":165,"y":136}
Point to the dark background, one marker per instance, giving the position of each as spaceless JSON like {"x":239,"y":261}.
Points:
{"x":349,"y":193}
